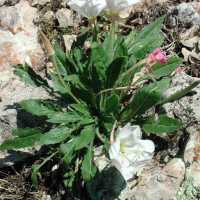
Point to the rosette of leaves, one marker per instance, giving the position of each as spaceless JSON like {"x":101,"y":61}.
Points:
{"x":86,"y":99}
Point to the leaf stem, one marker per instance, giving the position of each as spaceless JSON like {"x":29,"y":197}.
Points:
{"x":112,"y":134}
{"x":100,"y":137}
{"x":52,"y":56}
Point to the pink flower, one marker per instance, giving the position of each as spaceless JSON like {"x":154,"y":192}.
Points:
{"x":157,"y":56}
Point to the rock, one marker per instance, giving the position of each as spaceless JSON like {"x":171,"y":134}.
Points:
{"x":48,"y":17}
{"x":45,"y":197}
{"x":64,"y":3}
{"x":40,"y":2}
{"x":187,"y":109}
{"x":100,"y":160}
{"x":18,"y":37}
{"x":188,"y":191}
{"x":193,"y":172}
{"x":69,"y":40}
{"x":192,"y":156}
{"x":187,"y":14}
{"x":65,"y":17}
{"x":157,"y":183}
{"x":2,"y":2}
{"x":192,"y":149}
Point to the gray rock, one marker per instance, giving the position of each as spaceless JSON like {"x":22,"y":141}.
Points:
{"x":100,"y":160}
{"x":9,"y":2}
{"x":65,"y":17}
{"x":187,"y":109}
{"x":48,"y":17}
{"x":192,"y":156}
{"x":191,"y":149}
{"x":40,"y":2}
{"x":2,"y":2}
{"x":187,"y":14}
{"x":193,"y":173}
{"x":157,"y":182}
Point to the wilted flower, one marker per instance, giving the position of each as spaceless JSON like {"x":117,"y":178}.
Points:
{"x":88,"y":8}
{"x":129,"y":152}
{"x":157,"y":56}
{"x":115,"y":6}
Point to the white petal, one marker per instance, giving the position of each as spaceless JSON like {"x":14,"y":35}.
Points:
{"x":119,"y":5}
{"x":147,"y":145}
{"x":88,"y":8}
{"x":129,"y":134}
{"x":114,"y":150}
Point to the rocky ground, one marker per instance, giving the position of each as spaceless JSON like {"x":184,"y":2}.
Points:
{"x":20,"y":21}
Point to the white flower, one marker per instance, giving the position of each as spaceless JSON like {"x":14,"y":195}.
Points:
{"x":88,"y":8}
{"x":115,"y":6}
{"x":129,"y":152}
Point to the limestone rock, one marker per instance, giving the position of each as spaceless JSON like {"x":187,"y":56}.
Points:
{"x":192,"y":156}
{"x":187,"y":14}
{"x":192,"y":148}
{"x":157,"y":183}
{"x":2,"y":2}
{"x":18,"y":36}
{"x":65,"y":17}
{"x":187,"y":109}
{"x":40,"y":2}
{"x":48,"y":17}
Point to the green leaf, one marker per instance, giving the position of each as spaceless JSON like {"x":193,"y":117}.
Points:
{"x":55,"y":136}
{"x":88,"y":169}
{"x":60,"y":54}
{"x":69,"y":118}
{"x":24,"y":132}
{"x":86,"y":137}
{"x":145,"y":98}
{"x":58,"y":85}
{"x":114,"y":46}
{"x":37,"y":107}
{"x":162,"y":124}
{"x":113,"y":71}
{"x":28,"y":76}
{"x":21,"y":142}
{"x":77,"y":143}
{"x":112,"y":103}
{"x":146,"y":40}
{"x":64,"y":118}
{"x":74,"y":80}
{"x":99,"y":58}
{"x":179,"y":94}
{"x":68,"y":150}
{"x":81,"y":108}
{"x":160,"y":70}
{"x":35,"y":173}
{"x":60,"y":67}
{"x":24,"y":75}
